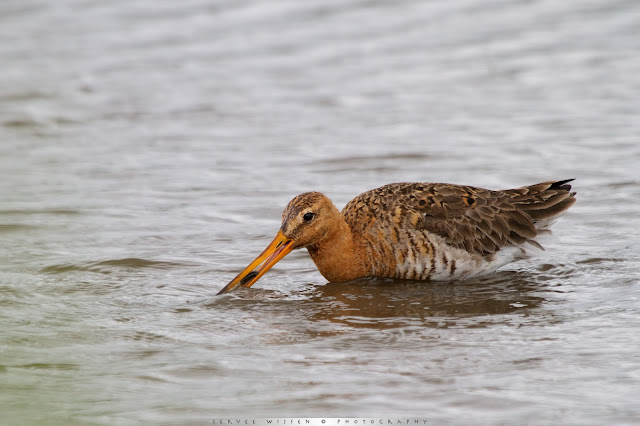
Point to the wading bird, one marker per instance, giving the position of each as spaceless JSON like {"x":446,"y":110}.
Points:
{"x":415,"y":231}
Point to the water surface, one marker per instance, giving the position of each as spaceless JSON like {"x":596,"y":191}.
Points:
{"x":147,"y":150}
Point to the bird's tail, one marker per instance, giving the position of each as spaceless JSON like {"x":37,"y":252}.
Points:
{"x":544,"y":202}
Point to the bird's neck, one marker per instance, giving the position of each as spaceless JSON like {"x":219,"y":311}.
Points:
{"x":337,"y":256}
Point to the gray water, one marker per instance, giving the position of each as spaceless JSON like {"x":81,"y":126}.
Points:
{"x":146,"y":152}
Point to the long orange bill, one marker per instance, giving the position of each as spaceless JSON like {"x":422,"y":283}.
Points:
{"x":279,"y":248}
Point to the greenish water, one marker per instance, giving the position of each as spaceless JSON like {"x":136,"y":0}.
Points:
{"x":147,"y":150}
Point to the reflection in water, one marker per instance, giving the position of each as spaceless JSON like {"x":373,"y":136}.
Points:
{"x":387,"y":303}
{"x":391,"y":303}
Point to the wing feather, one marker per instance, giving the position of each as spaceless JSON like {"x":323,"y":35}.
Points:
{"x":475,"y":219}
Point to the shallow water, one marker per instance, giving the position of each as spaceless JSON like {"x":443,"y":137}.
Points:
{"x":146,"y":152}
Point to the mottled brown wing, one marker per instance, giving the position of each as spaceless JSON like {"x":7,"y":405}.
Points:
{"x":475,"y":219}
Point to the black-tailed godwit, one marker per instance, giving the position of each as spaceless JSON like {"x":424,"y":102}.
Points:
{"x":415,"y":231}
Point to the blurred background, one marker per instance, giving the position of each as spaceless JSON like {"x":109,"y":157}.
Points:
{"x":147,"y":149}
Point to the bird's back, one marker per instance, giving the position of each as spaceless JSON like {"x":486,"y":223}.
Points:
{"x":443,"y":231}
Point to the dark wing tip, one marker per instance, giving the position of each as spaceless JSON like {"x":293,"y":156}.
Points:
{"x":562,"y":184}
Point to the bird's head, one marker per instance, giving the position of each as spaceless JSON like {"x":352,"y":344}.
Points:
{"x":306,"y":221}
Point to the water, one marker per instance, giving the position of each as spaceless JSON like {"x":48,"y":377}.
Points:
{"x":147,"y":150}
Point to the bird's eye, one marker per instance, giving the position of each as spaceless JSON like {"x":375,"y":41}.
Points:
{"x":308,"y":216}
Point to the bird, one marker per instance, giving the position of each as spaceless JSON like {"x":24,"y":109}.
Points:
{"x":415,"y":231}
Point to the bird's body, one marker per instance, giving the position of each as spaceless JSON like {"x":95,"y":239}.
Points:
{"x":417,"y":231}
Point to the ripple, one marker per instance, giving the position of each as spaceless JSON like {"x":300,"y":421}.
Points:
{"x":596,"y":260}
{"x":15,"y":227}
{"x":46,"y":366}
{"x":106,"y":266}
{"x":27,"y":212}
{"x":385,"y":162}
